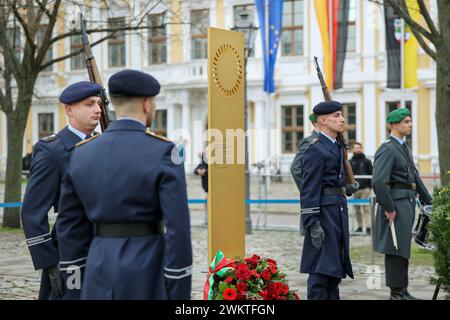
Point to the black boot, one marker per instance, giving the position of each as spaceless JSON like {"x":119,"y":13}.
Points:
{"x":397,"y":294}
{"x":409,"y":296}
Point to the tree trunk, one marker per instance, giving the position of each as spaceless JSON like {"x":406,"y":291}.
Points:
{"x":443,"y":116}
{"x":13,"y":187}
{"x":443,"y":91}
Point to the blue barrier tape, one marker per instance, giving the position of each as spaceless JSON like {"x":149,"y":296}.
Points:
{"x":283,"y":201}
{"x":10,"y":205}
{"x":203,"y":201}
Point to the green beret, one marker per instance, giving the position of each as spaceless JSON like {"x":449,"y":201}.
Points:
{"x":312,"y":117}
{"x":398,"y":115}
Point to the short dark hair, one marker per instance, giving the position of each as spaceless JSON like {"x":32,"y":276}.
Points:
{"x":357,"y":143}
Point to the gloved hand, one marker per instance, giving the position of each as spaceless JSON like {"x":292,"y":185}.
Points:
{"x":56,"y":281}
{"x":317,"y":235}
{"x":351,"y":188}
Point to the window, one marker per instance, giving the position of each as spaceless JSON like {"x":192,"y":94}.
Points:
{"x":46,"y":124}
{"x":245,"y":9}
{"x":157,"y":39}
{"x":199,"y":34}
{"x":391,"y":106}
{"x":13,"y":36}
{"x":76,"y":62}
{"x":292,"y":132}
{"x":292,"y":33}
{"x":351,"y":32}
{"x":349,"y":113}
{"x":39,"y":39}
{"x":159,"y":124}
{"x":116,"y":45}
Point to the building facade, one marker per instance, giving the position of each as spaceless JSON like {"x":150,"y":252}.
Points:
{"x":176,"y":55}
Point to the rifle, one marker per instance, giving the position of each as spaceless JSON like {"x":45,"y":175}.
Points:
{"x":351,"y":184}
{"x":94,"y":75}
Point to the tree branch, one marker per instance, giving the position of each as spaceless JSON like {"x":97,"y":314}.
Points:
{"x":75,"y":53}
{"x":426,"y":14}
{"x":90,"y":31}
{"x":44,"y":8}
{"x":24,"y":25}
{"x":48,"y":33}
{"x":402,"y":11}
{"x":8,"y":52}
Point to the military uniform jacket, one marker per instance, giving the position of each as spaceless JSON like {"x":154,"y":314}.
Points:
{"x":51,"y":156}
{"x":323,"y":167}
{"x":126,"y":176}
{"x":393,"y":163}
{"x":296,"y":166}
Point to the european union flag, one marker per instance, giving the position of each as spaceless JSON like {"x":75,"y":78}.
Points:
{"x":270,"y":49}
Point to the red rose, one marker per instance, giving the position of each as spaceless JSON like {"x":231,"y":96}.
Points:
{"x":243,"y":275}
{"x":229,"y":294}
{"x":228,"y":279}
{"x":255,"y":257}
{"x":264,"y":294}
{"x":282,"y":298}
{"x":266,"y":275}
{"x":271,"y":261}
{"x":285,"y":289}
{"x":273,"y":269}
{"x":255,"y":274}
{"x":296,"y":296}
{"x":241,"y":286}
{"x":242,"y":267}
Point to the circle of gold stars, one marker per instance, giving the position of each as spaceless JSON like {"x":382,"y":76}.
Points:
{"x":229,"y":84}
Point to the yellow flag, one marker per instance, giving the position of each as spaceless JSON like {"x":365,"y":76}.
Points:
{"x":322,"y":19}
{"x":411,"y":64}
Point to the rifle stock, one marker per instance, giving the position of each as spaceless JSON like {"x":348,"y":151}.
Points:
{"x":349,"y":177}
{"x":94,"y":75}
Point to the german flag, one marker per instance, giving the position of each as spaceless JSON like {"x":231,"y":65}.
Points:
{"x":332,"y":17}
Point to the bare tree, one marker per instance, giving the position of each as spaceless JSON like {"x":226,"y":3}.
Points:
{"x":20,"y":71}
{"x":435,"y":41}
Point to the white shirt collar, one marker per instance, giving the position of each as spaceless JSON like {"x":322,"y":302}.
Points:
{"x":77,"y":132}
{"x":133,"y":119}
{"x":401,"y":141}
{"x":333,"y":140}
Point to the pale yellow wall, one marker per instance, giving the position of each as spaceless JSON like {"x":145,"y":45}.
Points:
{"x":1,"y":133}
{"x":377,"y":106}
{"x":28,"y":138}
{"x":176,"y":34}
{"x":220,"y":14}
{"x":424,"y":61}
{"x":62,"y":121}
{"x":423,"y":123}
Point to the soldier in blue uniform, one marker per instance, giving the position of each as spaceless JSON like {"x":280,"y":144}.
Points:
{"x":296,"y":166}
{"x":324,"y":214}
{"x":49,"y":162}
{"x":127,"y":186}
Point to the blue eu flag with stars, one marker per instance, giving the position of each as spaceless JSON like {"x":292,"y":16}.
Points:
{"x":270,"y":45}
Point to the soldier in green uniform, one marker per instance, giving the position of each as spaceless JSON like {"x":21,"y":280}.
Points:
{"x":396,"y":183}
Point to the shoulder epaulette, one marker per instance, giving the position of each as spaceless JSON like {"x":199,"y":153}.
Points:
{"x":151,"y":133}
{"x":87,"y":140}
{"x":49,"y":138}
{"x":386,"y":141}
{"x":314,"y":140}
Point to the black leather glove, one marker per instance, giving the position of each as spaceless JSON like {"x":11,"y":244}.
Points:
{"x":56,"y":281}
{"x":351,"y":188}
{"x":317,"y":235}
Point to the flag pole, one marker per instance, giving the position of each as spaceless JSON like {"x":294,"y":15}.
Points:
{"x":268,"y":103}
{"x":402,"y":62}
